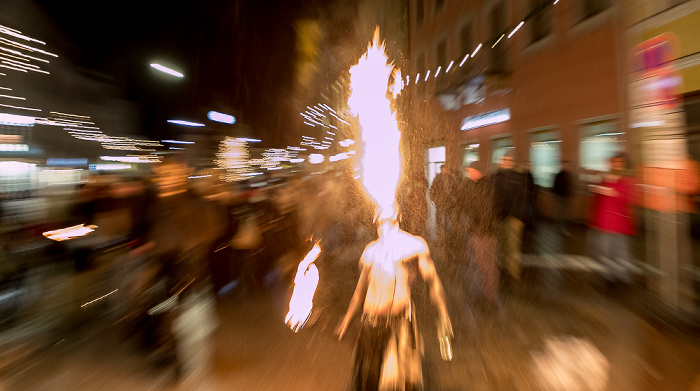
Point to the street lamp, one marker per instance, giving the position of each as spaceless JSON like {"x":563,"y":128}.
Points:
{"x":167,"y":70}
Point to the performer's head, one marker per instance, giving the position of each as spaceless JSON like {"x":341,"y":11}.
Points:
{"x":387,"y":219}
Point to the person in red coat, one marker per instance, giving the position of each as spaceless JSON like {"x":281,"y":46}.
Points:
{"x":612,"y":219}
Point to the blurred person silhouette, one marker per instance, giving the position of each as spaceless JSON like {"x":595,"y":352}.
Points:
{"x":179,"y":233}
{"x":388,"y":350}
{"x":413,"y":200}
{"x":439,"y":196}
{"x":481,"y":213}
{"x":562,"y":189}
{"x":513,"y":204}
{"x":612,"y":218}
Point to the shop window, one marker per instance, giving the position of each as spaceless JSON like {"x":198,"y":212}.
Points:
{"x":420,"y":12}
{"x":541,"y":23}
{"x":590,"y":8}
{"x":600,"y":142}
{"x":545,"y":157}
{"x":500,"y":147}
{"x":434,"y":159}
{"x":439,"y":4}
{"x":465,"y":40}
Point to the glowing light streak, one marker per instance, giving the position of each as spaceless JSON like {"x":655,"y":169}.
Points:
{"x":198,"y":176}
{"x":516,"y":28}
{"x":69,"y":233}
{"x":381,"y":164}
{"x":98,"y":299}
{"x":185,"y":123}
{"x":449,"y":66}
{"x":18,"y":34}
{"x":27,"y":47}
{"x":417,"y":78}
{"x":297,"y":160}
{"x":437,"y":72}
{"x":19,"y":107}
{"x":13,"y":68}
{"x":5,"y":88}
{"x":221,"y":117}
{"x":12,"y":97}
{"x":427,"y":75}
{"x":556,"y":1}
{"x":316,"y":158}
{"x":464,"y":59}
{"x":305,"y":283}
{"x":476,"y":50}
{"x":167,"y":70}
{"x":248,"y":140}
{"x":22,"y":54}
{"x":176,"y":142}
{"x":70,"y":115}
{"x":499,"y":40}
{"x":347,"y":142}
{"x":16,"y":120}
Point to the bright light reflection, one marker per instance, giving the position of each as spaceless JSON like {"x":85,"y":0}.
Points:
{"x":185,"y":123}
{"x":167,"y":70}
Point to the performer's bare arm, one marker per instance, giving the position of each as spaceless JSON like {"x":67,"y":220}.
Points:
{"x":358,"y":298}
{"x":429,"y":274}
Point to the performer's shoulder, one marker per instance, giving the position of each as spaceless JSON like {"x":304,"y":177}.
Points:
{"x":413,"y":242}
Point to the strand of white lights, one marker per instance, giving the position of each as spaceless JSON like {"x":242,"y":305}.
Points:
{"x":516,"y":29}
{"x":438,"y":71}
{"x":464,"y":60}
{"x":12,"y":97}
{"x":23,"y":55}
{"x":18,"y":34}
{"x":27,"y":47}
{"x":21,"y":108}
{"x":499,"y":40}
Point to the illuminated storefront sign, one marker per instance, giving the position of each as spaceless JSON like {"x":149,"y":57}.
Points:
{"x":485,"y":119}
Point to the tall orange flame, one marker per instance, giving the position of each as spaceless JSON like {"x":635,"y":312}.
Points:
{"x":305,"y":282}
{"x":381,"y":163}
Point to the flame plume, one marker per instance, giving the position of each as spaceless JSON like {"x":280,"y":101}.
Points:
{"x":381,"y":162}
{"x":305,"y":283}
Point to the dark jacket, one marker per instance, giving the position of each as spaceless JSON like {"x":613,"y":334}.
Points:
{"x":562,"y":184}
{"x":480,"y":206}
{"x":514,"y":196}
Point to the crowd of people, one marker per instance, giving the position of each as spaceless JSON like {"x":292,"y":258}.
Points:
{"x":497,"y":212}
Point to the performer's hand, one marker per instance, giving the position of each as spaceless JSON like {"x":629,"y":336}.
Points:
{"x":342,"y":328}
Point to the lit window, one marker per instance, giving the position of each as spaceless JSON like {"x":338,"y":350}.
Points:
{"x":545,"y":157}
{"x":500,"y":147}
{"x":434,"y":159}
{"x":469,"y":154}
{"x":600,"y":142}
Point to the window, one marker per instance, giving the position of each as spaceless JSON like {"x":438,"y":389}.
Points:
{"x":439,"y":4}
{"x":434,"y":159}
{"x":592,"y":8}
{"x":420,"y":12}
{"x":441,"y":55}
{"x":465,"y":39}
{"x":500,"y":147}
{"x":600,"y":142}
{"x":470,"y":154}
{"x":541,"y":22}
{"x":545,"y":157}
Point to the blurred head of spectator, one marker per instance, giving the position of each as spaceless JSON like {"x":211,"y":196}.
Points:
{"x":508,"y":160}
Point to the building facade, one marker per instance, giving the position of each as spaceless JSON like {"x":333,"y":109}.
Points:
{"x":552,"y":88}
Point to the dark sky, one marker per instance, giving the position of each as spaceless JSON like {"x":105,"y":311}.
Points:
{"x":236,"y":56}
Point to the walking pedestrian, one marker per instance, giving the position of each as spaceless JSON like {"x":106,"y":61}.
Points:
{"x":612,"y":219}
{"x":562,"y":191}
{"x":481,"y":225}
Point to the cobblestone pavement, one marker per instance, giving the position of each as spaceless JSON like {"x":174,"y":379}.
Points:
{"x":560,"y":328}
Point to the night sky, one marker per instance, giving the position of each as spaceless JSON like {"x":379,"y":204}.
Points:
{"x":237,"y":56}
